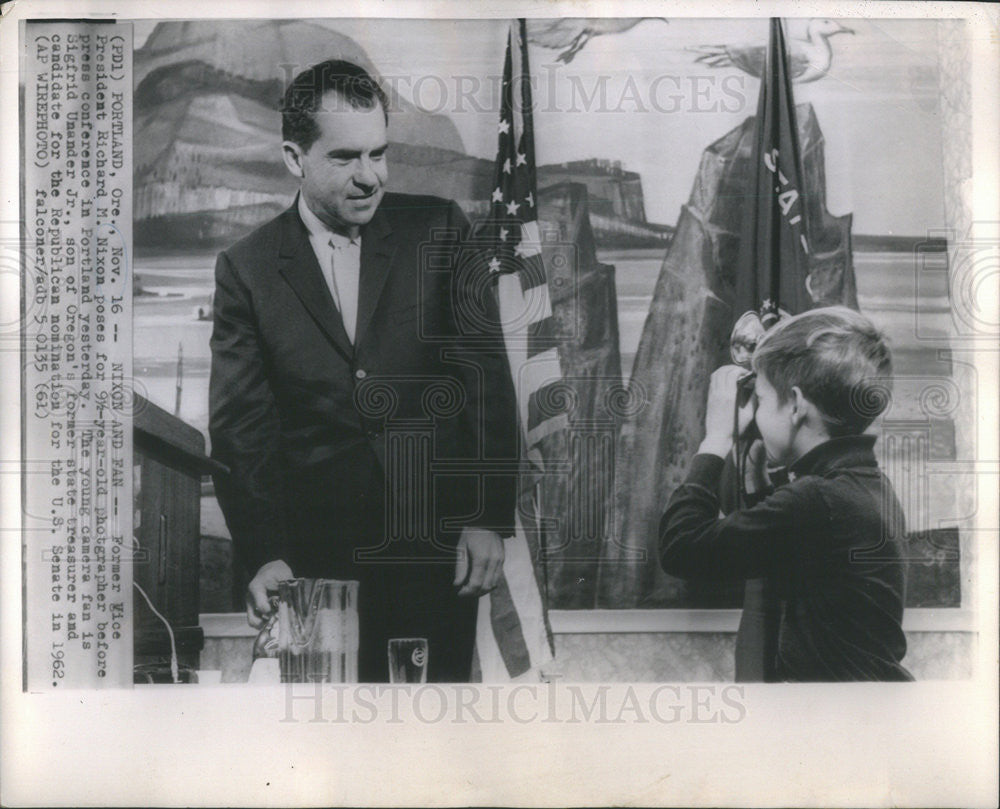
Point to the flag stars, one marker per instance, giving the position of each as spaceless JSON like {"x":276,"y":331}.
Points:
{"x":497,"y":195}
{"x":503,"y":234}
{"x":506,"y":166}
{"x":530,"y":199}
{"x":494,"y":264}
{"x":503,"y":126}
{"x":522,"y":159}
{"x":512,"y":208}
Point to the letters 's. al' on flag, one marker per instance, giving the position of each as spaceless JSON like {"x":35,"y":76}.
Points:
{"x":512,"y":638}
{"x":774,"y":247}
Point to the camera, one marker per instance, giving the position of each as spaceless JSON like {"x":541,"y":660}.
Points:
{"x":743,"y":340}
{"x":745,"y":390}
{"x":745,"y":395}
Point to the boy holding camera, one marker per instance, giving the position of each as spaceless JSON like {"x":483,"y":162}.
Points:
{"x":830,"y":539}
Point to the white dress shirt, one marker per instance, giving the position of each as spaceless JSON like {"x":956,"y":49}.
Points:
{"x":339,"y":258}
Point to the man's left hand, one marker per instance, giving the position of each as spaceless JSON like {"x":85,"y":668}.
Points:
{"x":480,"y":561}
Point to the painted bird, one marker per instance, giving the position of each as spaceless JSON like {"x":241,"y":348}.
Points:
{"x":809,"y":58}
{"x":573,"y":33}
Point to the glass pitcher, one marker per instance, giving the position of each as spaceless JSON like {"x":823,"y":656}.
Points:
{"x":316,"y":629}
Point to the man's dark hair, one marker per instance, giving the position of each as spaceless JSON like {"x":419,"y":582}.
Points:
{"x":304,"y":96}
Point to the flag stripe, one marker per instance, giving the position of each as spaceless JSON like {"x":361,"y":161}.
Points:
{"x":506,"y":623}
{"x":491,"y":664}
{"x":544,"y":430}
{"x":551,"y":401}
{"x":519,"y":308}
{"x":477,"y":668}
{"x":533,"y":272}
{"x":537,"y":303}
{"x":542,"y":336}
{"x":523,"y":585}
{"x":537,"y":378}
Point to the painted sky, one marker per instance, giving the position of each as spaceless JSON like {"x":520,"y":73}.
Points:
{"x":639,"y":97}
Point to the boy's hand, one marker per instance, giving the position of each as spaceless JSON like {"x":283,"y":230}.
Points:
{"x":720,"y":409}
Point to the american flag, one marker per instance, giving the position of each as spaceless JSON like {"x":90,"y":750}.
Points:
{"x":512,"y":635}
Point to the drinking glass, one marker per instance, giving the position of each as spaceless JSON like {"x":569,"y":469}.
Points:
{"x":408,"y":660}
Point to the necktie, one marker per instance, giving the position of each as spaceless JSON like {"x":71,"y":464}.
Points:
{"x":345,"y":302}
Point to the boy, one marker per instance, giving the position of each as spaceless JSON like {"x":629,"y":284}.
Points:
{"x":829,"y":540}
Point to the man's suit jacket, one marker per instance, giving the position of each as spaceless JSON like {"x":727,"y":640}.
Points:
{"x":305,"y":421}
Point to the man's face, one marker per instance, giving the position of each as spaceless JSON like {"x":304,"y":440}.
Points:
{"x":344,"y":171}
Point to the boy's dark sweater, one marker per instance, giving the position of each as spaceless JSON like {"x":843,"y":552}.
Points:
{"x":831,"y":543}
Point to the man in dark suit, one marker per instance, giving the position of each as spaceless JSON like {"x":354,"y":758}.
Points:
{"x":359,"y":390}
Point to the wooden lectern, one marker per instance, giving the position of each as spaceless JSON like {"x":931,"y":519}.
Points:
{"x":169,"y":461}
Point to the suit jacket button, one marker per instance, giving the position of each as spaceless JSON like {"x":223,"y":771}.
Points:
{"x":360,"y":373}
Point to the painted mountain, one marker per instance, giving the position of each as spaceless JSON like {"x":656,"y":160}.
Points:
{"x":208,"y":146}
{"x":207,"y":131}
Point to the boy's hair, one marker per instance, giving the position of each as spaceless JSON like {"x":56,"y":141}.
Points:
{"x":304,"y":96}
{"x":837,"y":358}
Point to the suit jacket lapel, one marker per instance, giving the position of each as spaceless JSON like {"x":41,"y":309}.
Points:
{"x":298,"y":265}
{"x":377,"y":251}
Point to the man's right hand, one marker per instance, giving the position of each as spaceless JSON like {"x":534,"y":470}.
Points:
{"x":259,"y":590}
